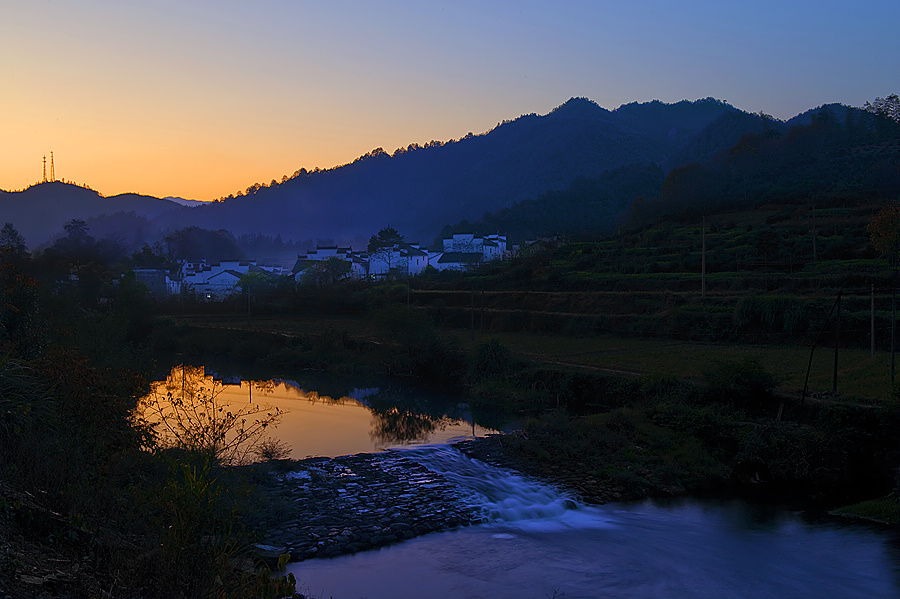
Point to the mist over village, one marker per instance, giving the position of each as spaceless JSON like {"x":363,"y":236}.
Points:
{"x":448,"y":300}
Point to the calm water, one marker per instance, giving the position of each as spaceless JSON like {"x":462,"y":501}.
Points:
{"x":342,"y":421}
{"x":541,"y":544}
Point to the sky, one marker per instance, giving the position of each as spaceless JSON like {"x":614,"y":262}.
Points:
{"x":202,"y":98}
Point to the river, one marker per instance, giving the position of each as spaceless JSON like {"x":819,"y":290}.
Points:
{"x":538,"y":542}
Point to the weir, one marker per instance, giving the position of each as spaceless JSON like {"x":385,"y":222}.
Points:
{"x":497,"y":495}
{"x":324,"y":507}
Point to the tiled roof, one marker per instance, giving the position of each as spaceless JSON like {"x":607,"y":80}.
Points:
{"x":460,"y":258}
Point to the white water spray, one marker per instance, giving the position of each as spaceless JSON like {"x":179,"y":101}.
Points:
{"x":505,"y":497}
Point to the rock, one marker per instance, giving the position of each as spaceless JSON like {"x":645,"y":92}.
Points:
{"x":359,"y":502}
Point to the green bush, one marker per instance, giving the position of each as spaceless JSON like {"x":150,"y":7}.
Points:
{"x":742,"y":382}
{"x":490,"y":359}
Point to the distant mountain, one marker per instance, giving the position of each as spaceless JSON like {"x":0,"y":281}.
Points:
{"x":831,"y":155}
{"x":40,"y":211}
{"x":420,"y":189}
{"x":185,"y":202}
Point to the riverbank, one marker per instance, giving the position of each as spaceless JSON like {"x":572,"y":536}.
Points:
{"x":500,"y":451}
{"x":611,"y":436}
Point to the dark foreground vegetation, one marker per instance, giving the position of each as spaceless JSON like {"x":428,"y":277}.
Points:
{"x":92,"y":502}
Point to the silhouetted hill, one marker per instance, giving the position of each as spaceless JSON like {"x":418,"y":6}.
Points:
{"x":420,"y":189}
{"x":831,"y":154}
{"x":674,"y":127}
{"x":40,"y":211}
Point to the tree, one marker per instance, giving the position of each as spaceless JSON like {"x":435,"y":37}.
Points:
{"x":884,"y":232}
{"x":11,"y":240}
{"x":195,"y":244}
{"x":327,"y":272}
{"x":76,"y":231}
{"x":77,"y":247}
{"x":12,"y":245}
{"x":385,"y":247}
{"x":150,"y":257}
{"x":253,"y":281}
{"x":888,"y":107}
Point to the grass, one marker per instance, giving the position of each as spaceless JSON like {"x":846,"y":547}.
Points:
{"x":885,"y":510}
{"x":860,"y":375}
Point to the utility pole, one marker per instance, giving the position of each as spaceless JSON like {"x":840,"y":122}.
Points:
{"x":703,"y":262}
{"x":814,"y":230}
{"x":837,"y":342}
{"x":472,"y":311}
{"x":872,"y":319}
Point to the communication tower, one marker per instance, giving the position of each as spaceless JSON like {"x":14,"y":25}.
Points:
{"x":52,"y":172}
{"x":45,"y":169}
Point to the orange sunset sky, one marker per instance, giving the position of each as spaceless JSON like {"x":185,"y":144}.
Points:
{"x":200,"y":99}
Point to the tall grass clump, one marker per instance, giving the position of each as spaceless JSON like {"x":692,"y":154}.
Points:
{"x":741,"y":382}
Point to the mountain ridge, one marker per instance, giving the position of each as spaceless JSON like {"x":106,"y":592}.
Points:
{"x":420,"y":189}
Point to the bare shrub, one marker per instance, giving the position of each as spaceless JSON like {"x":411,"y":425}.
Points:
{"x":272,"y":449}
{"x":189,"y":413}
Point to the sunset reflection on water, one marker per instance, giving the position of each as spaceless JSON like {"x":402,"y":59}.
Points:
{"x":314,"y":424}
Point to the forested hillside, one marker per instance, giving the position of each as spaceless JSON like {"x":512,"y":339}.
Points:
{"x":832,"y":154}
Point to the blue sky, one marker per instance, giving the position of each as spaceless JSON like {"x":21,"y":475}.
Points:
{"x":202,"y":98}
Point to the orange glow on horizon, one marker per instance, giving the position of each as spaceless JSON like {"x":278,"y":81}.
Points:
{"x":202,"y":99}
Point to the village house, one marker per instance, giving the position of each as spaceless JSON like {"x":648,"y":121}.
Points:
{"x":158,"y":282}
{"x":357,"y":262}
{"x":215,"y":282}
{"x":465,"y":251}
{"x":403,"y":259}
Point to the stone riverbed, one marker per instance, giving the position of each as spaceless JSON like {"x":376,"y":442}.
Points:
{"x":324,"y":507}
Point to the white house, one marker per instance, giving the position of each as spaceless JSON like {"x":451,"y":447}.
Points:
{"x":219,"y":286}
{"x":465,"y":251}
{"x":416,"y":258}
{"x":461,"y":252}
{"x":358,"y":262}
{"x":215,"y":282}
{"x":405,"y":259}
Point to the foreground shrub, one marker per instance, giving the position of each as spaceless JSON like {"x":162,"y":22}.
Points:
{"x":742,"y":382}
{"x":413,"y":347}
{"x":489,"y":359}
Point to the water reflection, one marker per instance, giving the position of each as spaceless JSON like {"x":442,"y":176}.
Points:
{"x":188,"y":411}
{"x":361,"y":419}
{"x":402,"y":420}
